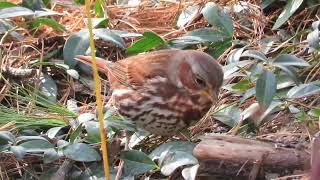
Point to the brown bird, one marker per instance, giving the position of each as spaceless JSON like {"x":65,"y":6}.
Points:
{"x":163,"y":91}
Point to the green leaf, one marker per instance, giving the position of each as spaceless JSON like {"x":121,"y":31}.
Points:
{"x":46,"y":12}
{"x":6,"y":5}
{"x":98,"y":22}
{"x":18,"y":151}
{"x":289,"y":60}
{"x":217,"y":49}
{"x":266,"y":3}
{"x":187,"y":15}
{"x":109,"y":36}
{"x":36,"y":4}
{"x":36,"y":146}
{"x":289,"y":10}
{"x":313,"y":39}
{"x":303,"y":90}
{"x":291,"y":72}
{"x":218,"y":18}
{"x":15,"y":12}
{"x":76,"y":44}
{"x":21,"y":139}
{"x":266,"y":88}
{"x":177,"y":159}
{"x":202,"y":35}
{"x":233,"y":67}
{"x":6,"y":26}
{"x":255,"y":54}
{"x":235,"y":55}
{"x":136,"y":162}
{"x":228,"y":115}
{"x":49,"y":22}
{"x":48,"y":88}
{"x":242,"y":85}
{"x":50,"y":155}
{"x":73,"y":73}
{"x":249,"y":93}
{"x":79,"y":1}
{"x":315,"y":112}
{"x":93,"y":131}
{"x":52,"y":132}
{"x":81,"y":152}
{"x":252,"y":109}
{"x":190,"y":173}
{"x":173,"y":155}
{"x":75,"y":134}
{"x":6,"y":137}
{"x":170,"y":147}
{"x":149,"y":41}
{"x":98,"y":9}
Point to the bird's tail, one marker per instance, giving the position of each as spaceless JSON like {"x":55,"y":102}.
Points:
{"x":101,"y":63}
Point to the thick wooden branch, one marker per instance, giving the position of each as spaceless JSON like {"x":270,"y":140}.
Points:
{"x":238,"y":157}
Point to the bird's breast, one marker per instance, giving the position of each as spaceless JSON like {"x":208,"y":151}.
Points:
{"x":159,"y":107}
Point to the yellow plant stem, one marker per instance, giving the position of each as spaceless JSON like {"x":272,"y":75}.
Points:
{"x":98,"y":95}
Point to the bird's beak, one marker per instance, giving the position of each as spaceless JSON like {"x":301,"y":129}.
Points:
{"x":210,"y":94}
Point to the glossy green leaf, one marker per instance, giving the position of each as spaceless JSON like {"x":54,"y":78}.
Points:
{"x":6,"y":5}
{"x":228,"y":115}
{"x":46,"y":12}
{"x":75,"y":134}
{"x":233,"y":67}
{"x":136,"y":162}
{"x":235,"y":55}
{"x":18,"y":151}
{"x":187,"y":15}
{"x":190,"y":173}
{"x":98,"y":22}
{"x":109,"y":36}
{"x":217,"y":49}
{"x":174,"y":154}
{"x":248,"y":94}
{"x":218,"y":18}
{"x":170,"y":147}
{"x":50,"y":155}
{"x":48,"y":88}
{"x":266,"y":3}
{"x":255,"y":54}
{"x":49,"y":22}
{"x":291,"y":72}
{"x":289,"y":60}
{"x":266,"y":88}
{"x":15,"y":12}
{"x":202,"y":35}
{"x":315,"y":112}
{"x":34,"y":4}
{"x":176,"y":159}
{"x":76,"y":44}
{"x":149,"y":41}
{"x":304,"y":90}
{"x":98,"y":8}
{"x":93,"y":131}
{"x":81,"y":152}
{"x":52,"y":132}
{"x":289,"y":10}
{"x":242,"y":85}
{"x":36,"y":145}
{"x":21,"y":139}
{"x":313,"y":39}
{"x":5,"y":137}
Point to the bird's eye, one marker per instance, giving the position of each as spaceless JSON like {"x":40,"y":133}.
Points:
{"x":200,"y":81}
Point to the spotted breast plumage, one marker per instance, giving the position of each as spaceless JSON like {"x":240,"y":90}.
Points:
{"x":163,"y":91}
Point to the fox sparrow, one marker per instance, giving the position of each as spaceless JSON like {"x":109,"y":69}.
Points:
{"x":163,"y":91}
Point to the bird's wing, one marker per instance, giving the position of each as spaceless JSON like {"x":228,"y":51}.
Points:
{"x":134,"y":71}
